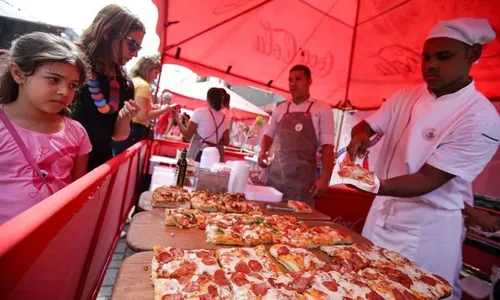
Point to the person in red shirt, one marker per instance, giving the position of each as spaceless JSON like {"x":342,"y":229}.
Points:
{"x":165,"y":121}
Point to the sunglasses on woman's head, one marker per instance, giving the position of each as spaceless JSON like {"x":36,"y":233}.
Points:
{"x":133,"y":45}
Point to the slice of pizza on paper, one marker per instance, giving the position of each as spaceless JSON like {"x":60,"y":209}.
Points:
{"x":347,"y":172}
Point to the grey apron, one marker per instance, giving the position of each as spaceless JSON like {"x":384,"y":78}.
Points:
{"x":198,"y":143}
{"x":293,"y":169}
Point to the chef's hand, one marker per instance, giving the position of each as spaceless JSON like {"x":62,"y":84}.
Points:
{"x":129,"y":110}
{"x":263,"y":160}
{"x":487,"y":222}
{"x":358,"y":146}
{"x":319,"y":188}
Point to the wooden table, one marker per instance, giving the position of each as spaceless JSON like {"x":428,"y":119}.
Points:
{"x":148,"y":229}
{"x":134,"y":282}
{"x":145,"y":205}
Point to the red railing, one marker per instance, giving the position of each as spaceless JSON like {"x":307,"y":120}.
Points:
{"x":60,"y":248}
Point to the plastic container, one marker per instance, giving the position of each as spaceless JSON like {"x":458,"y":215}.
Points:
{"x":262,"y":193}
{"x":239,"y":177}
{"x":209,"y":156}
{"x":475,"y":287}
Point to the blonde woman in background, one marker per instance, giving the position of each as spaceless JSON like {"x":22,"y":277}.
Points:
{"x":143,"y":74}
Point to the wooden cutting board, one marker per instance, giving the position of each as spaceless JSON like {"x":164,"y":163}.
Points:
{"x":147,"y":229}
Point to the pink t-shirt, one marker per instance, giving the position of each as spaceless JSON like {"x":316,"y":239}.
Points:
{"x":20,"y":187}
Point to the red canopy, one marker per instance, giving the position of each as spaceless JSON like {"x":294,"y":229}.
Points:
{"x":361,"y":50}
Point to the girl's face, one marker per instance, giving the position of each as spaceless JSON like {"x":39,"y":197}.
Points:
{"x":51,"y":88}
{"x":128,"y":47}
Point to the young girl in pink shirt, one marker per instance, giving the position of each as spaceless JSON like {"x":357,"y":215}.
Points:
{"x":41,"y":150}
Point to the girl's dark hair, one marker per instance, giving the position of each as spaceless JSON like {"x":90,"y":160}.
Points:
{"x":33,"y":50}
{"x":144,"y":65}
{"x":113,"y":22}
{"x":214,"y":98}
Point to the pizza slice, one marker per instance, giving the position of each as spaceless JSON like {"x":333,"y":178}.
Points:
{"x":206,"y":202}
{"x":171,"y":262}
{"x":299,"y":207}
{"x":293,"y":237}
{"x":247,"y":260}
{"x":257,"y":234}
{"x":255,"y":286}
{"x":325,"y":286}
{"x":325,"y":235}
{"x":391,"y":290}
{"x":284,"y":223}
{"x":422,"y":283}
{"x":234,"y":202}
{"x":370,"y":255}
{"x":356,"y":172}
{"x":357,"y":287}
{"x":347,"y":258}
{"x":295,"y":259}
{"x":170,"y":197}
{"x":203,"y":287}
{"x":186,"y":218}
{"x":220,"y":234}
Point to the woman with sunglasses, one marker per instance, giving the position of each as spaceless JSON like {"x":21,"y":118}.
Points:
{"x":105,"y":103}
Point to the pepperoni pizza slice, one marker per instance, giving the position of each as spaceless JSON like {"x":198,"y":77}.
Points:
{"x":347,"y":258}
{"x":391,"y":290}
{"x":203,"y":287}
{"x":299,"y":206}
{"x":170,"y":197}
{"x":186,"y":218}
{"x":422,"y":283}
{"x":247,"y":260}
{"x":357,"y":287}
{"x":295,"y":259}
{"x":325,"y":286}
{"x":356,"y":172}
{"x":255,"y":286}
{"x":173,"y":262}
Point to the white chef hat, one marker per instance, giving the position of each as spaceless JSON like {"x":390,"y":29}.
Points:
{"x":468,"y":30}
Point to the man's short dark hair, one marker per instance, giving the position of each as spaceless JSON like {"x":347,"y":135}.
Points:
{"x":304,"y":68}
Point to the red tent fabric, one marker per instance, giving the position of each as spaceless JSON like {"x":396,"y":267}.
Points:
{"x":361,"y":50}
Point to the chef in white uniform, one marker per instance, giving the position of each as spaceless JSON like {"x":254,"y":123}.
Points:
{"x":438,"y":137}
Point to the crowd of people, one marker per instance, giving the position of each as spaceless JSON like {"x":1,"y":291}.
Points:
{"x":68,"y":108}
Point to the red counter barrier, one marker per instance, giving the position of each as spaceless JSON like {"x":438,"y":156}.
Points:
{"x":346,"y":206}
{"x":59,"y":249}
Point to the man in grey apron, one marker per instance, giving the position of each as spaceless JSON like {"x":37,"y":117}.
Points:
{"x":299,"y":127}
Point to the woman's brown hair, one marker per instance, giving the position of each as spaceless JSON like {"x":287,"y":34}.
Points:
{"x":113,"y":22}
{"x":33,"y":50}
{"x":144,"y":65}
